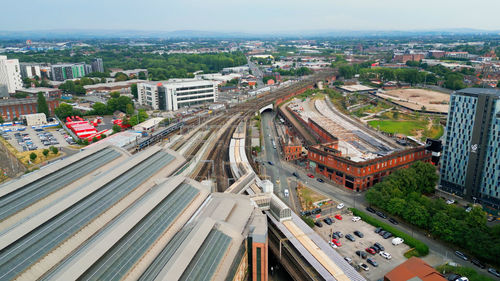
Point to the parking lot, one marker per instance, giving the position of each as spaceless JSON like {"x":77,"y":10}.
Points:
{"x":30,"y":139}
{"x":348,"y":248}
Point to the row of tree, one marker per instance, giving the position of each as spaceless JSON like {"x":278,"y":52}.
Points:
{"x":115,"y":103}
{"x":404,"y":193}
{"x":301,"y":71}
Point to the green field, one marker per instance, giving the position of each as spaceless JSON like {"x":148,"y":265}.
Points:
{"x":401,"y":127}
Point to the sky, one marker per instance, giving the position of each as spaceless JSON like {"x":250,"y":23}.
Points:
{"x":251,"y":16}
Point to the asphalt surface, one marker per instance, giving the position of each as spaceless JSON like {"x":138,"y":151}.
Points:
{"x":283,"y":170}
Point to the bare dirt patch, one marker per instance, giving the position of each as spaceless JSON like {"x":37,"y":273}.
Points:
{"x":417,"y":98}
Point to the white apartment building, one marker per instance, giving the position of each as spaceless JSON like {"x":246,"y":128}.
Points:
{"x":10,"y":74}
{"x":29,"y":70}
{"x":176,"y":93}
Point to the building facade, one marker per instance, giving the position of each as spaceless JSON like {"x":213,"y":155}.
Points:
{"x":175,"y":94}
{"x":469,"y":163}
{"x":325,"y":159}
{"x":61,"y":72}
{"x":10,"y":74}
{"x":97,"y":65}
{"x":30,"y":70}
{"x":14,"y":108}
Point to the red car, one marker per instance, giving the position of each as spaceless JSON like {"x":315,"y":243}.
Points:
{"x":311,"y":176}
{"x":336,"y":242}
{"x":339,"y":217}
{"x":370,"y":250}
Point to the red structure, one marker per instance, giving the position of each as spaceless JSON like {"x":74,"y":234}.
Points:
{"x":325,"y":159}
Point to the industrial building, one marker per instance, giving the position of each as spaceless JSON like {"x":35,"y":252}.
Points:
{"x":14,"y":108}
{"x":10,"y":74}
{"x":103,"y":214}
{"x":34,"y":119}
{"x":347,"y":152}
{"x":176,"y":93}
{"x":469,"y":163}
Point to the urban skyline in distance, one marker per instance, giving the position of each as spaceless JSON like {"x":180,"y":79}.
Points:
{"x":259,"y":17}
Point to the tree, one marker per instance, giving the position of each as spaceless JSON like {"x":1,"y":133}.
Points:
{"x":94,"y":139}
{"x":33,"y":156}
{"x":64,"y":110}
{"x":1,"y":119}
{"x":133,"y":90}
{"x":117,"y":128}
{"x":120,"y":76}
{"x":347,"y":71}
{"x":498,"y":85}
{"x":42,"y":106}
{"x":142,"y":75}
{"x":45,"y":152}
{"x":85,"y":142}
{"x":114,"y":95}
{"x":100,"y":108}
{"x":143,"y":116}
{"x":54,"y":149}
{"x":130,"y":109}
{"x":119,"y":103}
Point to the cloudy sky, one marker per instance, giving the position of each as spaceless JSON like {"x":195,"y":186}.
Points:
{"x":255,"y":16}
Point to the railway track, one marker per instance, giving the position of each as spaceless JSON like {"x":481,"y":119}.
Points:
{"x":219,"y":154}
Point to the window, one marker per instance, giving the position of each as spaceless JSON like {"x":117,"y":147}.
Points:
{"x":259,"y":269}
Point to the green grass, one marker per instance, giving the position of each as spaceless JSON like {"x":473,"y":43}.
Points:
{"x":421,"y":249}
{"x":434,"y":133}
{"x":401,"y":127}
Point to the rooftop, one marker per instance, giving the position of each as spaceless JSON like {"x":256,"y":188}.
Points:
{"x":414,"y":269}
{"x":480,"y":91}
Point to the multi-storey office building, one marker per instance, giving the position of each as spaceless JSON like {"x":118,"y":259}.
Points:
{"x":175,"y":94}
{"x":10,"y":74}
{"x":470,"y":164}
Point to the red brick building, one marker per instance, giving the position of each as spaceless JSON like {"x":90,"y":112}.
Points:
{"x":325,"y":159}
{"x":12,"y":108}
{"x":403,"y":58}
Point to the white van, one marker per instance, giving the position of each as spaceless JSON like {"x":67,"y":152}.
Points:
{"x":397,"y":241}
{"x":286,"y":192}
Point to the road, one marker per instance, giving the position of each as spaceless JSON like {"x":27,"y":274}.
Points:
{"x":283,"y":170}
{"x":256,"y":72}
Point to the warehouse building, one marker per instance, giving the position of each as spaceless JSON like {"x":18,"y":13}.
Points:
{"x":103,"y":214}
{"x":176,"y":93}
{"x":14,"y":108}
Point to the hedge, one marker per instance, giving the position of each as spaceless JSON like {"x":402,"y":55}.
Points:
{"x":308,"y":220}
{"x":419,"y":246}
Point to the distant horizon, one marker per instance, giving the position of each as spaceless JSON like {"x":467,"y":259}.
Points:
{"x":257,"y":17}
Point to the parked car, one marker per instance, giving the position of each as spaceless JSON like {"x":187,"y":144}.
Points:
{"x":270,"y":163}
{"x":350,"y":237}
{"x":310,"y":175}
{"x":295,"y":174}
{"x":338,"y":216}
{"x":340,"y":206}
{"x":378,"y":245}
{"x":387,"y":235}
{"x":328,"y":221}
{"x":461,"y":255}
{"x":305,"y":213}
{"x":371,"y":210}
{"x":396,"y":241}
{"x":382,"y":215}
{"x":336,"y":242}
{"x":320,"y":180}
{"x":386,"y":255}
{"x":355,"y":219}
{"x":361,"y":254}
{"x":494,"y":272}
{"x":335,"y":235}
{"x":382,"y":232}
{"x":348,"y":260}
{"x":359,"y":234}
{"x":339,"y":234}
{"x":370,"y":250}
{"x":372,"y":262}
{"x":393,"y":221}
{"x":378,"y":229}
{"x":316,"y":211}
{"x":450,"y":201}
{"x":377,"y":250}
{"x":318,"y":223}
{"x":364,"y":266}
{"x":453,"y":277}
{"x":477,"y":263}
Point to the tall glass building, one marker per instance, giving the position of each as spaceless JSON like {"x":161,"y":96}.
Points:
{"x":470,"y":165}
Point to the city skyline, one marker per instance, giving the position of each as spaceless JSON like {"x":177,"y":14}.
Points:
{"x":261,"y":17}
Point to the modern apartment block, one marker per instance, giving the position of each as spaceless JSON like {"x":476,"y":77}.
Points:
{"x":10,"y":74}
{"x":470,"y":164}
{"x":61,"y":72}
{"x":175,"y":94}
{"x":97,"y":65}
{"x":30,"y":70}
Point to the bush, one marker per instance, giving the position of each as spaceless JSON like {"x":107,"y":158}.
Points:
{"x":419,"y":246}
{"x":308,"y":220}
{"x":468,"y":272}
